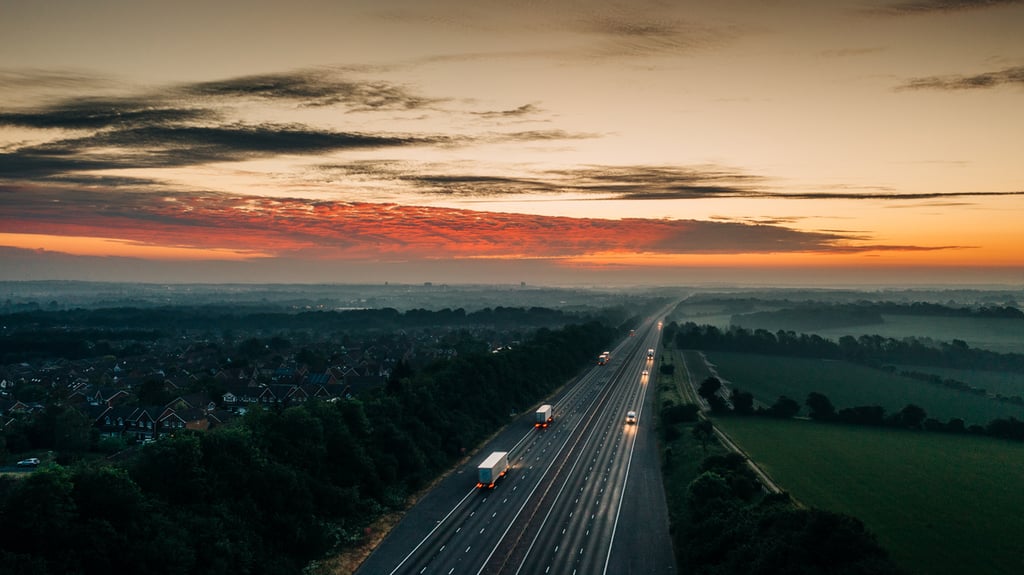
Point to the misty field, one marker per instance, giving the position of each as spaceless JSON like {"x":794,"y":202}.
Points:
{"x":1002,"y":382}
{"x":849,"y":385}
{"x":941,"y":504}
{"x":994,"y":334}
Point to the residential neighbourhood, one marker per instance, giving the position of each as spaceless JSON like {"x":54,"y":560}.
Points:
{"x":156,"y":388}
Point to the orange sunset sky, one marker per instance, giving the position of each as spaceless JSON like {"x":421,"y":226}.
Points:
{"x":557,"y":142}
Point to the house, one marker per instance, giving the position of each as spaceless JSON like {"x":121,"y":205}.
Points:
{"x":109,"y":396}
{"x":237,"y":396}
{"x":197,"y":400}
{"x":279,"y":394}
{"x":133,"y":422}
{"x":172,"y":420}
{"x":14,"y":407}
{"x":326,"y":378}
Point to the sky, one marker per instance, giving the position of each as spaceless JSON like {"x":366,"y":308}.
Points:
{"x":773,"y":142}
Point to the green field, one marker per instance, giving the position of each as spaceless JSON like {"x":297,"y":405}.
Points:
{"x":941,"y":504}
{"x":850,"y":385}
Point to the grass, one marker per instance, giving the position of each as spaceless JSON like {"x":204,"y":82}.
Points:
{"x":941,"y":504}
{"x":682,"y":454}
{"x":849,"y":385}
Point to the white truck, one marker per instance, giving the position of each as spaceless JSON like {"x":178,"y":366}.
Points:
{"x":543,"y":416}
{"x":492,"y":469}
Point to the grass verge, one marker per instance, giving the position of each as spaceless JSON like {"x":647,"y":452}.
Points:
{"x":682,"y":454}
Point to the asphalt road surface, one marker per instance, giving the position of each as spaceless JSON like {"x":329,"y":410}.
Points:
{"x":583,"y":496}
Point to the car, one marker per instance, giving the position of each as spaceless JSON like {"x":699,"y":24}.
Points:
{"x":645,"y":373}
{"x":30,"y":462}
{"x":631,"y":417}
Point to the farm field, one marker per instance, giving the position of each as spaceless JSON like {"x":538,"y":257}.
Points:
{"x":941,"y":504}
{"x":850,"y":385}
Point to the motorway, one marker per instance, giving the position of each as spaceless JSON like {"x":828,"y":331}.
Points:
{"x":582,"y":496}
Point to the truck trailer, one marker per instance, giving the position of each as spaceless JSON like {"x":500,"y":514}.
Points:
{"x":492,"y":469}
{"x":543,"y":416}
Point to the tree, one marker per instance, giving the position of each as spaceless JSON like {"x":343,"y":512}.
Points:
{"x":252,"y":348}
{"x":911,"y":416}
{"x":742,"y":401}
{"x":784,"y":407}
{"x":71,"y":433}
{"x":821,"y":407}
{"x":153,"y":392}
{"x":709,"y":387}
{"x":679,"y":413}
{"x":707,"y":493}
{"x":956,"y":425}
{"x":862,"y":415}
{"x":39,"y":513}
{"x":703,"y":432}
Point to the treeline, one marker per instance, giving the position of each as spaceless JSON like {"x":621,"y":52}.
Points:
{"x":872,"y":350}
{"x":820,"y":408}
{"x":81,"y":333}
{"x":49,"y":342}
{"x":220,"y":317}
{"x":823,"y":314}
{"x":939,"y":310}
{"x":733,"y":527}
{"x":279,"y":488}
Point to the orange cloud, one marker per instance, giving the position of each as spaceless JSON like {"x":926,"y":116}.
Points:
{"x":187,"y":225}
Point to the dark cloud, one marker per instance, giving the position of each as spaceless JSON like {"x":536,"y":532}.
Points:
{"x":524,"y":110}
{"x":886,"y":196}
{"x":929,"y":6}
{"x":635,"y":183}
{"x":733,"y":237}
{"x":34,"y":165}
{"x":97,"y":114}
{"x":314,"y":88}
{"x":1011,"y":76}
{"x":201,"y":102}
{"x":191,"y":124}
{"x":171,"y":146}
{"x":660,"y":182}
{"x":538,"y":136}
{"x":223,"y":142}
{"x":469,"y":185}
